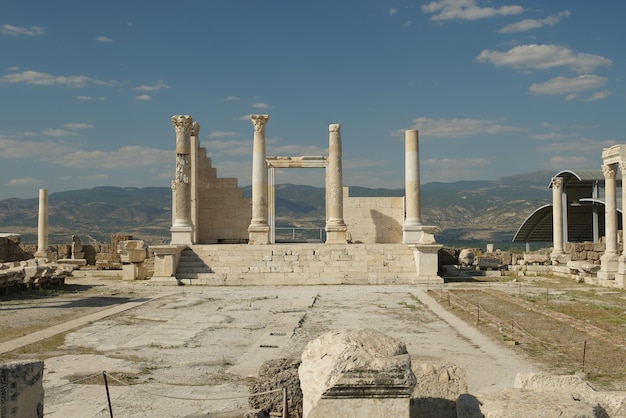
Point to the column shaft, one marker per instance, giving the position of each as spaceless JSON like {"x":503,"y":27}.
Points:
{"x":259,"y":228}
{"x":412,"y":179}
{"x":557,"y":215}
{"x":182,"y":229}
{"x":335,"y":225}
{"x":610,"y":216}
{"x":42,"y":225}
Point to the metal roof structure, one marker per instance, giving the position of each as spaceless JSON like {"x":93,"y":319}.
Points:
{"x":585,"y":210}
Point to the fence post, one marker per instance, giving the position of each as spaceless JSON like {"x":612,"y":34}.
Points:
{"x":285,"y":412}
{"x":106,"y":385}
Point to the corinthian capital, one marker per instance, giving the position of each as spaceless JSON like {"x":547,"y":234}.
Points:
{"x":259,"y":122}
{"x":609,"y":171}
{"x":182,"y":123}
{"x":334,"y":127}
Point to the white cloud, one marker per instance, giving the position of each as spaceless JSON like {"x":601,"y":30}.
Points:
{"x":583,"y":146}
{"x":552,"y":136}
{"x":144,"y":97}
{"x":540,"y":57}
{"x":16,"y":30}
{"x":221,"y":134}
{"x":260,"y":105}
{"x":459,"y":128}
{"x":59,"y":132}
{"x":598,"y":96}
{"x":131,"y":156}
{"x":230,"y":148}
{"x":43,"y":79}
{"x":232,"y":98}
{"x":78,"y":126}
{"x":104,"y":39}
{"x":89,"y":98}
{"x":529,"y":24}
{"x":24,"y":181}
{"x":569,"y":162}
{"x":452,"y":169}
{"x":466,"y":10}
{"x":565,"y":85}
{"x":393,"y":11}
{"x":159,"y":85}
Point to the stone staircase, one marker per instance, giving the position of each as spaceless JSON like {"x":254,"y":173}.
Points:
{"x":298,"y":264}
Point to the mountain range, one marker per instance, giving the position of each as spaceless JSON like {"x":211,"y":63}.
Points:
{"x":467,"y":213}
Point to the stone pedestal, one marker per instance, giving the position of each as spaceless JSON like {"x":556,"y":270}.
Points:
{"x":166,"y":260}
{"x":426,"y":262}
{"x":610,"y":266}
{"x":133,"y":271}
{"x":418,"y":234}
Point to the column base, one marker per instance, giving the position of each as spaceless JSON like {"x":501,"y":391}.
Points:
{"x":182,"y":235}
{"x":419,"y":234}
{"x":336,"y":237}
{"x":259,"y":235}
{"x":609,"y":266}
{"x":43,"y":254}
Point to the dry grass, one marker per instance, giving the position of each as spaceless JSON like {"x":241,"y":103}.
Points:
{"x":566,"y":327}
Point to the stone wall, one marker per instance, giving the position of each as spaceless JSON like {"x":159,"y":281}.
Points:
{"x":587,"y":251}
{"x":223,"y":213}
{"x":373,"y":220}
{"x":11,"y":250}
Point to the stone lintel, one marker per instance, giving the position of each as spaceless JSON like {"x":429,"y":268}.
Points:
{"x":613,"y":154}
{"x":297,"y":162}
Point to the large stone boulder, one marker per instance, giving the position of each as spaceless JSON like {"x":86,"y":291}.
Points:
{"x":438,"y":387}
{"x":357,"y":372}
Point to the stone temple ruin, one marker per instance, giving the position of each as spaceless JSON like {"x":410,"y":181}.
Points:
{"x":368,"y":240}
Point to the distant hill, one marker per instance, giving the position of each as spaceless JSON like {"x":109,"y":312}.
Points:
{"x":465,"y":211}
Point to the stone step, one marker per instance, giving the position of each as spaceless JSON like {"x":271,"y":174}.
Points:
{"x":186,"y":269}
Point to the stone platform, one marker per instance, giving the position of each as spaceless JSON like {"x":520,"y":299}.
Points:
{"x":301,"y":264}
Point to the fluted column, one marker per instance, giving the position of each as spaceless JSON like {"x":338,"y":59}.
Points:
{"x":557,"y":217}
{"x":335,"y":225}
{"x":610,"y":258}
{"x":182,"y":230}
{"x":42,"y":226}
{"x":258,"y":230}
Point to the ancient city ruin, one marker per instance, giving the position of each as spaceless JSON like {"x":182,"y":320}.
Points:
{"x":219,"y":238}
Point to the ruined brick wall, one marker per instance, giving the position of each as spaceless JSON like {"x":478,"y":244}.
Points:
{"x":587,"y":251}
{"x":373,"y":220}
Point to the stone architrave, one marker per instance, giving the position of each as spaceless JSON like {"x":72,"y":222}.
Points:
{"x":43,"y":250}
{"x":182,"y":229}
{"x":259,"y":229}
{"x":610,"y":258}
{"x":335,"y":224}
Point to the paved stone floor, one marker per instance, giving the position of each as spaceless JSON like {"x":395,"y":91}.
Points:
{"x":191,"y":350}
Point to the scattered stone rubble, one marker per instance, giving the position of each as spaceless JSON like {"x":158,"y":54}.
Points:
{"x":367,"y":373}
{"x":32,"y":274}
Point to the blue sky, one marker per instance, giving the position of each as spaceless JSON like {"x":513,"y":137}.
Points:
{"x":496,"y":88}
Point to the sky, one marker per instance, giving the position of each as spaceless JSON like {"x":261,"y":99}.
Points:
{"x":495,"y":88}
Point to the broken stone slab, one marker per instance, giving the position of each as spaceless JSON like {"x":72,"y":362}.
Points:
{"x":356,"y":372}
{"x":277,"y":374}
{"x":466,"y":257}
{"x":132,"y":251}
{"x":525,"y":403}
{"x":613,"y":402}
{"x":21,"y":389}
{"x":485,"y":263}
{"x":583,"y":267}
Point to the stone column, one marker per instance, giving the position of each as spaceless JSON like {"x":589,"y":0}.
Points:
{"x":620,"y":277}
{"x":335,"y":225}
{"x":413,"y":231}
{"x":259,"y":229}
{"x":610,"y":258}
{"x":43,"y":250}
{"x":557,"y":218}
{"x":182,"y":230}
{"x":195,"y":145}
